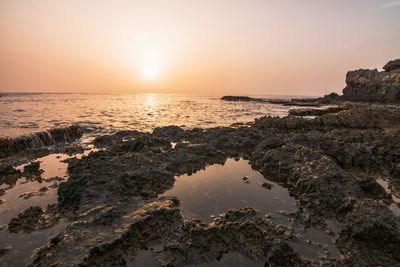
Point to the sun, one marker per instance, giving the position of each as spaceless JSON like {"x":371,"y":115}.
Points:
{"x":151,"y":72}
{"x":150,"y":57}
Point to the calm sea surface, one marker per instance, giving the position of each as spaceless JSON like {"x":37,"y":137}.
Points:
{"x":27,"y":113}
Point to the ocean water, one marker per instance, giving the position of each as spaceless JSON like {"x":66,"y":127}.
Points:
{"x":24,"y":113}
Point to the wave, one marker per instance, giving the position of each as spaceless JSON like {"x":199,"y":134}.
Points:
{"x":9,"y":146}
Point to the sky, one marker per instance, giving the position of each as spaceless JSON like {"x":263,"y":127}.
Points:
{"x":209,"y":47}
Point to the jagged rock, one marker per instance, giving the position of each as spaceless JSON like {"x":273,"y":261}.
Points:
{"x":236,"y":230}
{"x":330,"y":98}
{"x":89,"y":178}
{"x":73,"y":150}
{"x":34,"y":218}
{"x":105,"y":235}
{"x":372,"y":189}
{"x":32,"y":168}
{"x":8,"y":174}
{"x":374,"y":231}
{"x":169,"y":131}
{"x":392,"y":65}
{"x":282,"y":255}
{"x":315,"y":112}
{"x":362,"y":117}
{"x":373,"y":86}
{"x":321,"y":185}
{"x":242,"y":98}
{"x":267,"y":185}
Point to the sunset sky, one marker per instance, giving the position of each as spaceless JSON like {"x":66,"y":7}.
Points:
{"x":248,"y":47}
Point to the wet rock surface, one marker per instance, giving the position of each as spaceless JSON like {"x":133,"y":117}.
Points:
{"x":34,"y":218}
{"x":316,"y":112}
{"x":285,"y":102}
{"x":8,"y":174}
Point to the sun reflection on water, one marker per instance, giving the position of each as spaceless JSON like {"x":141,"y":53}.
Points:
{"x":151,"y":100}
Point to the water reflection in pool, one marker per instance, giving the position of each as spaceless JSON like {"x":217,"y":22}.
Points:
{"x":233,"y":185}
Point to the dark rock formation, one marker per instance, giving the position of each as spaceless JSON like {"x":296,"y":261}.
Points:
{"x":34,"y":218}
{"x":32,"y":168}
{"x":374,"y":86}
{"x":242,"y":98}
{"x":285,"y":102}
{"x":361,"y":117}
{"x":316,"y":112}
{"x":370,"y":227}
{"x":8,"y":174}
{"x":73,"y":150}
{"x":106,"y":235}
{"x":392,"y":65}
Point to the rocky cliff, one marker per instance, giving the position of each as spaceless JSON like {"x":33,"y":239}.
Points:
{"x":373,"y":85}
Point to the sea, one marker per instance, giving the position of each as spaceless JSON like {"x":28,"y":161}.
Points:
{"x":25,"y":113}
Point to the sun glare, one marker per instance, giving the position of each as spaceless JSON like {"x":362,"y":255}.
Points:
{"x":151,"y":72}
{"x":150,"y":56}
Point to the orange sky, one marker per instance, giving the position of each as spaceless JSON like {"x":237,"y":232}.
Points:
{"x":249,"y":47}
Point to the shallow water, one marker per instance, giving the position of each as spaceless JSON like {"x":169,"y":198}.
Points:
{"x":24,"y":193}
{"x":27,"y":113}
{"x":16,"y":197}
{"x":219,"y":188}
{"x":23,"y":245}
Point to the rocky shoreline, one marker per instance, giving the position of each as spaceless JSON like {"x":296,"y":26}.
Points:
{"x":332,"y":164}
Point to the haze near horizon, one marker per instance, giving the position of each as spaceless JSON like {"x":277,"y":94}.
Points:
{"x":203,"y":47}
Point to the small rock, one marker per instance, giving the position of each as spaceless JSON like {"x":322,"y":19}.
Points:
{"x":73,"y":150}
{"x":44,"y":189}
{"x":32,"y":168}
{"x":267,"y":185}
{"x":53,"y":185}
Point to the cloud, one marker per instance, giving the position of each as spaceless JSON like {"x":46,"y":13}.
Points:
{"x":391,"y":4}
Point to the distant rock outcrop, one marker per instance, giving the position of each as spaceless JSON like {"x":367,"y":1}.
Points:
{"x":392,"y":65}
{"x":242,"y":98}
{"x":373,"y":85}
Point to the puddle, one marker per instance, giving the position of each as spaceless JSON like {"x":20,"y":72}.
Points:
{"x":22,"y":245}
{"x":313,"y":243}
{"x":218,"y":188}
{"x":39,"y":190}
{"x":27,"y":191}
{"x":221,"y":187}
{"x":145,"y":258}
